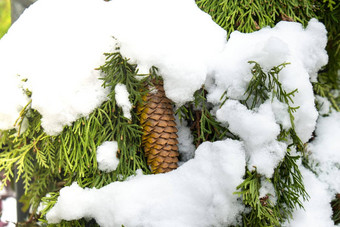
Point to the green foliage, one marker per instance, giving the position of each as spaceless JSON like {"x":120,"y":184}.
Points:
{"x":248,"y":15}
{"x":288,"y":184}
{"x":5,"y":16}
{"x":328,"y":79}
{"x":203,"y":123}
{"x":266,"y":85}
{"x":287,"y":179}
{"x":336,"y":209}
{"x":330,"y":4}
{"x":263,"y":212}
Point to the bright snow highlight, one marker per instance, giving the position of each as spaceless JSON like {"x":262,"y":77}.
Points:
{"x":122,"y":99}
{"x":199,"y":193}
{"x":107,"y":156}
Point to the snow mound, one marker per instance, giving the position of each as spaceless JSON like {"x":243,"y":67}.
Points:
{"x":122,"y":99}
{"x":106,"y":156}
{"x":287,"y":42}
{"x":259,"y":131}
{"x":317,"y":210}
{"x":199,"y":193}
{"x":59,"y":54}
{"x":325,"y":151}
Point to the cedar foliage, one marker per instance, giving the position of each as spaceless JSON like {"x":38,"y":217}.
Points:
{"x":48,"y":163}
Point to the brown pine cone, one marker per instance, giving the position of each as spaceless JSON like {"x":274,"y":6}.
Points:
{"x":159,"y":139}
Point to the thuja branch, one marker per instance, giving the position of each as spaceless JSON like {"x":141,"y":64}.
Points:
{"x":262,"y":213}
{"x":249,"y":15}
{"x":203,"y":124}
{"x":287,"y":178}
{"x":266,"y":85}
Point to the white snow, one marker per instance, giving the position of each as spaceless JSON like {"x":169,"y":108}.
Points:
{"x":107,"y":156}
{"x":199,"y":193}
{"x":186,"y":145}
{"x":286,"y":42}
{"x":9,"y":211}
{"x":325,"y":151}
{"x":57,"y":49}
{"x":324,"y":105}
{"x":259,"y":131}
{"x":8,"y":207}
{"x":58,"y":55}
{"x":325,"y":159}
{"x":317,"y":210}
{"x":267,"y":189}
{"x":122,"y":99}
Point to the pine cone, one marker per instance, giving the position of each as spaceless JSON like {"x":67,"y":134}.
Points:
{"x":159,"y":139}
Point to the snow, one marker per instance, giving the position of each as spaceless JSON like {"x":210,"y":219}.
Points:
{"x":58,"y":56}
{"x":317,"y":210}
{"x":259,"y":131}
{"x":8,"y":207}
{"x":286,"y":42}
{"x":267,"y":189}
{"x":325,"y":151}
{"x":185,"y":145}
{"x":107,"y":156}
{"x":325,"y":159}
{"x":324,"y":104}
{"x":9,"y":212}
{"x":122,"y":99}
{"x":199,"y":193}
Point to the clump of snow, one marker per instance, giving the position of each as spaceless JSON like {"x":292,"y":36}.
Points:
{"x":289,"y":42}
{"x":198,"y":193}
{"x":8,"y":207}
{"x":122,"y":99}
{"x":323,"y":104}
{"x":259,"y":131}
{"x":267,"y":190}
{"x":57,"y":54}
{"x":9,"y":211}
{"x":282,"y":116}
{"x":13,"y":100}
{"x":325,"y":151}
{"x":107,"y":156}
{"x":186,"y":146}
{"x":317,"y":210}
{"x":325,"y":159}
{"x":179,"y":41}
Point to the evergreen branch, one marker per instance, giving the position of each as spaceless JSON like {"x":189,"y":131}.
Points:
{"x":288,"y":184}
{"x":184,"y":112}
{"x":261,"y":214}
{"x":207,"y":127}
{"x":336,"y":209}
{"x":287,"y":179}
{"x":249,"y":16}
